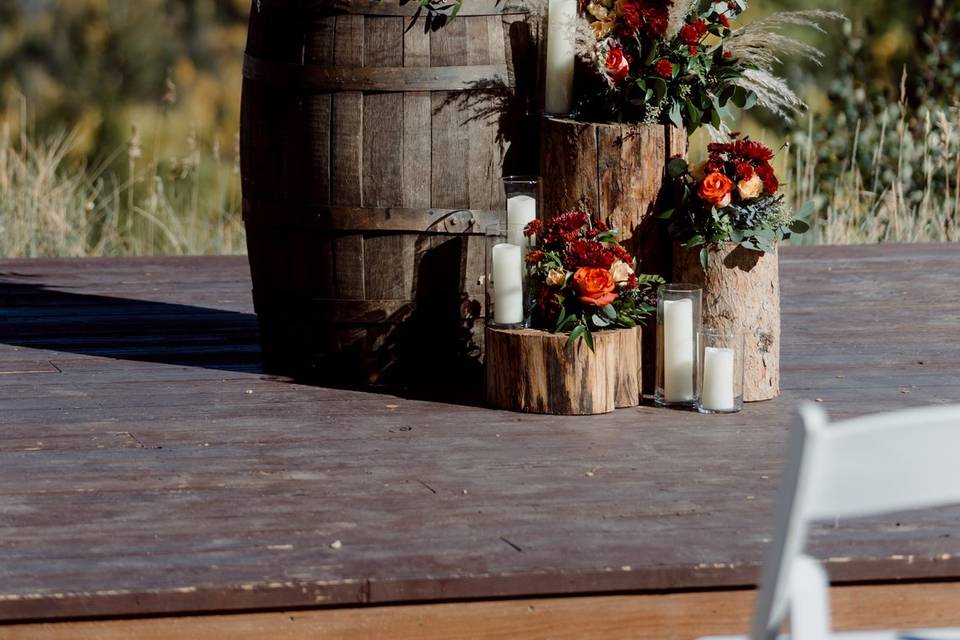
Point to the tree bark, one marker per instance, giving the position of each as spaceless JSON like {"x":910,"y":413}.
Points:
{"x":616,"y":172}
{"x":741,"y":292}
{"x":537,"y":372}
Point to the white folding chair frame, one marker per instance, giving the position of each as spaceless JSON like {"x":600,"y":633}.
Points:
{"x":865,"y":466}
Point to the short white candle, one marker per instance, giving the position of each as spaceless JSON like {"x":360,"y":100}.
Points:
{"x":560,"y":55}
{"x":507,"y":284}
{"x":521,"y":210}
{"x":678,"y":350}
{"x":718,"y":371}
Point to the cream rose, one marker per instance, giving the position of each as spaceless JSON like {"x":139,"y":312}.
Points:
{"x":620,"y":271}
{"x":556,"y":277}
{"x":750,"y":189}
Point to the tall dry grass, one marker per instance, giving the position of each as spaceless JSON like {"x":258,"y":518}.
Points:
{"x":49,"y":206}
{"x":911,"y":196}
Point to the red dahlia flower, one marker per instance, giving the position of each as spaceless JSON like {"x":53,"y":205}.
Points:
{"x":724,"y":20}
{"x":744,"y":170}
{"x":689,"y":35}
{"x":533,"y":228}
{"x":664,"y":68}
{"x":770,"y":182}
{"x":589,"y":253}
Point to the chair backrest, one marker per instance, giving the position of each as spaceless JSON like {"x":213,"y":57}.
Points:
{"x":864,"y":466}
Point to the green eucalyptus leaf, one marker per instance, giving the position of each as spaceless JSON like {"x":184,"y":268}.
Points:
{"x":739,"y":96}
{"x":675,"y":117}
{"x":576,"y":333}
{"x":693,"y":114}
{"x":677,"y":167}
{"x":588,"y":337}
{"x":705,"y":258}
{"x":609,"y":311}
{"x":695,"y":241}
{"x":799,"y":226}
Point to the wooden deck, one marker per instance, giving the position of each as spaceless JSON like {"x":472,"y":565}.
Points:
{"x":147,"y":467}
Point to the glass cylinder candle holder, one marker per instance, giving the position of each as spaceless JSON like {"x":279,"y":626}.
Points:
{"x":504,"y":280}
{"x":721,"y":372}
{"x":523,"y":206}
{"x":678,"y":323}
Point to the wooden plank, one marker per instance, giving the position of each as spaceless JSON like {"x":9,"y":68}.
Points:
{"x":401,"y":219}
{"x":404,"y":8}
{"x":450,"y":139}
{"x":317,"y":115}
{"x":450,"y":77}
{"x":387,"y":257}
{"x":670,"y":616}
{"x":416,"y":123}
{"x":160,"y":434}
{"x":483,"y":111}
{"x":347,"y":127}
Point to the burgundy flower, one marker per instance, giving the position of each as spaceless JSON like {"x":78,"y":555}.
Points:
{"x":547,"y":305}
{"x":689,"y":35}
{"x":533,"y":228}
{"x":664,"y":68}
{"x":744,"y":170}
{"x":770,"y":182}
{"x":589,"y":253}
{"x":724,"y":20}
{"x":535,"y":256}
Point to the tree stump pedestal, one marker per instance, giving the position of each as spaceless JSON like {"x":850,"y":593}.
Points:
{"x":535,"y":371}
{"x":741,"y":292}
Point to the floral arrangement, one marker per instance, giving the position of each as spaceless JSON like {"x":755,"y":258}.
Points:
{"x":681,"y":62}
{"x":583,"y":280}
{"x":732,"y":197}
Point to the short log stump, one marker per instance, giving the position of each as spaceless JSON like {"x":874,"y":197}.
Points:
{"x":536,"y":371}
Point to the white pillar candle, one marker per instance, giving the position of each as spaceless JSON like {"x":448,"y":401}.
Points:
{"x":718,"y":371}
{"x":507,"y":284}
{"x":521,"y":210}
{"x":560,"y":55}
{"x":678,"y":350}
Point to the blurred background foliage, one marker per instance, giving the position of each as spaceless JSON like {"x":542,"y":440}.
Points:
{"x":119,"y":121}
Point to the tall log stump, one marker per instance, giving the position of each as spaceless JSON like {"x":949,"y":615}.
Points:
{"x":538,"y":372}
{"x":741,"y":292}
{"x":617,"y":172}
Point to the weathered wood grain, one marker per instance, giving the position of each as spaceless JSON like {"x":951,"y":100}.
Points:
{"x":366,"y":136}
{"x":668,"y":616}
{"x":741,"y":293}
{"x":538,"y":372}
{"x":152,"y":467}
{"x":616,"y":172}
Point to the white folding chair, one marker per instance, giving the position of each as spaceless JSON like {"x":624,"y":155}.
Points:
{"x":866,"y":466}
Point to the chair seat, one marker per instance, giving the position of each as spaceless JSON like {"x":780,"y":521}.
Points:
{"x":916,"y":634}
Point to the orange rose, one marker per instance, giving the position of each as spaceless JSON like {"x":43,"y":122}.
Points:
{"x":716,"y":189}
{"x":595,"y":286}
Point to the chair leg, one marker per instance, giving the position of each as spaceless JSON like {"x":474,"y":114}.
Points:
{"x":809,"y":600}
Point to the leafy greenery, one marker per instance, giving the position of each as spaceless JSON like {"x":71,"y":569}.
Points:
{"x":583,"y":280}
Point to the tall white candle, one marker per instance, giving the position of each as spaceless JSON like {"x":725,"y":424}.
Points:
{"x":718,"y":371}
{"x":678,"y":350}
{"x":521,"y":209}
{"x":560,"y":55}
{"x":507,"y":284}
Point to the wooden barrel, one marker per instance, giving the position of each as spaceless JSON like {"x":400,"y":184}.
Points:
{"x":372,"y":150}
